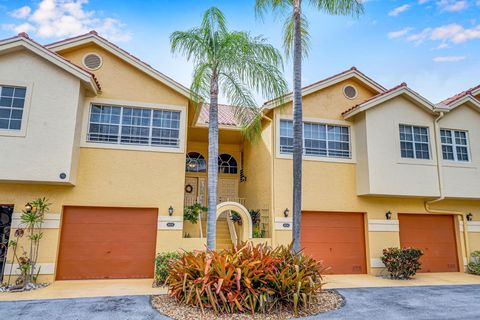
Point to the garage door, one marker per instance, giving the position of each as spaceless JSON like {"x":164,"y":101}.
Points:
{"x":337,"y":238}
{"x":107,"y":243}
{"x":435,"y":235}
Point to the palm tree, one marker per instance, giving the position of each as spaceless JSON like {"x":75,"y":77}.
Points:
{"x":235,"y":65}
{"x":295,"y":39}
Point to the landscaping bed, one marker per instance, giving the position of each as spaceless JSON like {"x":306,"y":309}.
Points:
{"x":328,"y":300}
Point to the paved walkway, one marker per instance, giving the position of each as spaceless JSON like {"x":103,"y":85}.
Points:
{"x":416,"y":302}
{"x":108,"y":288}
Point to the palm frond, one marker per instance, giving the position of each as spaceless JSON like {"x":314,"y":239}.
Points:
{"x":339,"y":7}
{"x":277,"y":6}
{"x":288,"y":35}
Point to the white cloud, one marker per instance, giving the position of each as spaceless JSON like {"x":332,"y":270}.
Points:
{"x":395,"y":12}
{"x":452,"y":5}
{"x":423,"y":1}
{"x":451,"y":33}
{"x":20,"y":13}
{"x":62,"y":18}
{"x":449,"y":59}
{"x":400,"y":33}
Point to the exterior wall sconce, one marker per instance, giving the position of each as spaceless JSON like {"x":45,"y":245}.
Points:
{"x":469,"y":216}
{"x":28,"y":207}
{"x":170,"y":210}
{"x":388,"y":215}
{"x":286,"y":212}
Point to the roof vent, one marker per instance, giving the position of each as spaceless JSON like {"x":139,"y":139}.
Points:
{"x":92,"y":61}
{"x":350,"y":92}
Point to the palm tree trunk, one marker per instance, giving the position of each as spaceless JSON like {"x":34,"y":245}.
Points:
{"x":297,"y":126}
{"x":212,"y":163}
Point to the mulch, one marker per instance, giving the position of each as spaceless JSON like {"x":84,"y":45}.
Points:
{"x":328,"y":300}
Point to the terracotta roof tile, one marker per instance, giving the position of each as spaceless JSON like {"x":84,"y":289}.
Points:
{"x":460,"y":95}
{"x":403,"y":84}
{"x":226,"y":115}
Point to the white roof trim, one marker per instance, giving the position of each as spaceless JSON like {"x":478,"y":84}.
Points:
{"x":91,"y":37}
{"x":30,"y":45}
{"x":476,"y":92}
{"x":474,"y":103}
{"x":403,"y":90}
{"x":352,"y":73}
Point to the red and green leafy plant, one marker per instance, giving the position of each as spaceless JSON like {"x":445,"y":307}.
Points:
{"x":474,"y":265}
{"x":402,"y":263}
{"x":250,"y":279}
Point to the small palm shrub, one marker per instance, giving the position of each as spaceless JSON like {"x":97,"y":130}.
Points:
{"x":402,"y":263}
{"x":249,"y":279}
{"x":161,"y":266}
{"x":474,"y":265}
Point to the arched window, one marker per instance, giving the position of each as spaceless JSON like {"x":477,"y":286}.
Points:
{"x":195,"y":162}
{"x":227,"y":164}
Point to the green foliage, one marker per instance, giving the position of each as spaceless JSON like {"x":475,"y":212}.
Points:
{"x":257,"y":233}
{"x":235,"y":63}
{"x":161,"y":266}
{"x":30,"y":226}
{"x":474,"y":265}
{"x":249,"y":279}
{"x":191,"y":213}
{"x":285,"y":8}
{"x":236,"y":218}
{"x":402,"y":263}
{"x":255,"y":216}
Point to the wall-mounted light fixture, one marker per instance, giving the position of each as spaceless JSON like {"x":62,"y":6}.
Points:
{"x":469,"y":216}
{"x":28,"y":207}
{"x":388,"y":215}
{"x":286,"y":212}
{"x":170,"y":210}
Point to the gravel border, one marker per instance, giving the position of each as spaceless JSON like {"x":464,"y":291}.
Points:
{"x":168,"y":306}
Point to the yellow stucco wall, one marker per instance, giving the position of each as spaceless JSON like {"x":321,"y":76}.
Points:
{"x":331,"y":186}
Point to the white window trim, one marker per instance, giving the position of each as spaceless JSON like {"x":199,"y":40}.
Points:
{"x":98,"y":145}
{"x":26,"y":108}
{"x":454,"y":145}
{"x":279,"y":155}
{"x":431,"y":138}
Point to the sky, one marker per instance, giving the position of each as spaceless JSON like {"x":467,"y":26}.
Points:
{"x":432,"y":45}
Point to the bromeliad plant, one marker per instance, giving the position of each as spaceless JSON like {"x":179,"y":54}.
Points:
{"x":250,"y":279}
{"x":402,"y":263}
{"x":32,"y":219}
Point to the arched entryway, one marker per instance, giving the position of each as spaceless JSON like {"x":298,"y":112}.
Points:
{"x":241,"y":232}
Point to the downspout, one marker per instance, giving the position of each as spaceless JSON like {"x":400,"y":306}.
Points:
{"x":438,"y":147}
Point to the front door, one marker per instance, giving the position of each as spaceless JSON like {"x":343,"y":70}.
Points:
{"x":6,"y":212}
{"x":195,"y":188}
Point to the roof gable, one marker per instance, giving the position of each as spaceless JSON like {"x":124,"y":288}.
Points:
{"x":327,"y":82}
{"x":400,"y":90}
{"x":24,"y":41}
{"x":93,"y":37}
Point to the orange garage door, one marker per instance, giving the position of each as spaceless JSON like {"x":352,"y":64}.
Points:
{"x":337,"y":238}
{"x":107,"y":243}
{"x":435,"y":235}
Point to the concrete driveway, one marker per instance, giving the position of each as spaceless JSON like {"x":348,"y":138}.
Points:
{"x":429,"y":302}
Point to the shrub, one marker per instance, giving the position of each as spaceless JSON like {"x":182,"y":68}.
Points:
{"x":161,"y":266}
{"x":192,"y":213}
{"x":474,"y":265}
{"x":402,"y":263}
{"x":249,"y":279}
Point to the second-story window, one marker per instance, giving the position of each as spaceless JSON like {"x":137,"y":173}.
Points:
{"x":414,"y":142}
{"x":134,"y":126}
{"x":12,"y":102}
{"x":319,"y":140}
{"x":454,"y":145}
{"x":227,"y":164}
